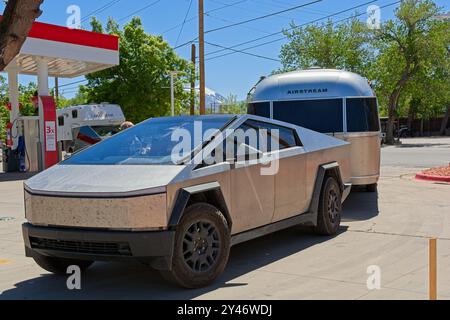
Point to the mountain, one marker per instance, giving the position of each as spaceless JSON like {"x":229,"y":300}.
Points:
{"x":213,"y":99}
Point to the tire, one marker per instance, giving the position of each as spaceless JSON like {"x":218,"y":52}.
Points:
{"x":372,"y":187}
{"x":59,"y":265}
{"x":330,"y":208}
{"x":198,"y":262}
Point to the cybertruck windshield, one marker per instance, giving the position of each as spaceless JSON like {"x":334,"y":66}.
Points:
{"x":152,"y":142}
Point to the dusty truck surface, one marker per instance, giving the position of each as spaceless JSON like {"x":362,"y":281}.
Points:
{"x":178,"y":204}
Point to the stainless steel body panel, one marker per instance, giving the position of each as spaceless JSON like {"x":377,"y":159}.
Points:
{"x":143,"y":197}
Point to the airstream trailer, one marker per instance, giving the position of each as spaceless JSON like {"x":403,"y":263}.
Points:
{"x":334,"y":102}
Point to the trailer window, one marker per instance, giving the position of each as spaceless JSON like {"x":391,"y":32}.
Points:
{"x":323,"y":116}
{"x":61,"y":121}
{"x":362,"y":115}
{"x":261,"y":109}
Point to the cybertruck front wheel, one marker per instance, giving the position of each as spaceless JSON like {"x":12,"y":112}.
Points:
{"x":59,"y":265}
{"x":202,"y":247}
{"x":330,"y":208}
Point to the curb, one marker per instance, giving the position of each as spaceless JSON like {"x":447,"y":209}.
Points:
{"x":426,"y":177}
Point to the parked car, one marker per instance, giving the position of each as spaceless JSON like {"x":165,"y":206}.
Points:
{"x":129,"y":197}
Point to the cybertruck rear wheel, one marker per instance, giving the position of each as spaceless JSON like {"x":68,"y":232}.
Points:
{"x":330,"y":208}
{"x":202,"y":247}
{"x":59,"y":265}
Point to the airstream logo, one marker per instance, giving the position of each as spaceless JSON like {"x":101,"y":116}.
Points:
{"x":308,"y":91}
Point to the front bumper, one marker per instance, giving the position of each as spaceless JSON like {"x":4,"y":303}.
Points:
{"x":154,"y":248}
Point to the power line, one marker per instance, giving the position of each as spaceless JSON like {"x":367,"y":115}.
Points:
{"x":139,"y":10}
{"x":247,"y":21}
{"x":71,"y":83}
{"x":212,"y":10}
{"x":229,"y":21}
{"x":262,"y":17}
{"x":101,"y":9}
{"x":244,"y":52}
{"x":289,"y":29}
{"x":184,"y":22}
{"x":279,"y":39}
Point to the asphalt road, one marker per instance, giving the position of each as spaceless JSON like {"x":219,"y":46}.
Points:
{"x":418,"y":153}
{"x":389,"y":230}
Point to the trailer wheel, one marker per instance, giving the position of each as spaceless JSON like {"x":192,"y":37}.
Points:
{"x":59,"y":265}
{"x":330,"y":208}
{"x":372,"y":187}
{"x":202,"y":246}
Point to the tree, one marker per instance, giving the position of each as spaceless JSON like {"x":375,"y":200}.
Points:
{"x":407,"y":47}
{"x":233,"y":106}
{"x":141,"y":83}
{"x":342,"y":46}
{"x":4,"y":113}
{"x":27,"y":108}
{"x":18,"y":18}
{"x":79,"y":99}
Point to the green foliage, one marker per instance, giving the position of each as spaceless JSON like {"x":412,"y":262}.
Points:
{"x":141,"y":83}
{"x":412,"y":64}
{"x":4,"y":113}
{"x":26,"y":92}
{"x":80,"y":98}
{"x":233,"y":106}
{"x":341,"y":46}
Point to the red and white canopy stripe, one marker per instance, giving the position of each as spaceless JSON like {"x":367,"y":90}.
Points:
{"x":69,"y":52}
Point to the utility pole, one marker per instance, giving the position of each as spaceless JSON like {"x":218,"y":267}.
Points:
{"x":194,"y":58}
{"x":57,"y":91}
{"x":172,"y":92}
{"x":201,"y":40}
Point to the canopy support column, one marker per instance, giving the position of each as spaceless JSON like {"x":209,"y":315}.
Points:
{"x":13,"y":81}
{"x":43,"y":90}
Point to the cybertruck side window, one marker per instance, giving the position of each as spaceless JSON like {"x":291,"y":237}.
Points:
{"x":261,"y":109}
{"x":278,"y":137}
{"x":246,"y":143}
{"x":362,"y":115}
{"x":323,"y":115}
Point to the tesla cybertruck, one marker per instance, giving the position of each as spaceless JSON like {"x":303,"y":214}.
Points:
{"x":177,"y":193}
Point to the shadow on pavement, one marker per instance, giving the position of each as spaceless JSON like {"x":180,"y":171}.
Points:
{"x":421,"y":145}
{"x":360,"y":205}
{"x":135,"y":281}
{"x":16,"y":176}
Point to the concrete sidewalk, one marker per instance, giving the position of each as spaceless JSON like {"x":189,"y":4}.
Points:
{"x":389,"y":229}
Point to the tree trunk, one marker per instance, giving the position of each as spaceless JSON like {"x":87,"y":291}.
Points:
{"x":15,"y":25}
{"x":445,"y":122}
{"x":393,"y":102}
{"x":411,"y":115}
{"x":393,"y":99}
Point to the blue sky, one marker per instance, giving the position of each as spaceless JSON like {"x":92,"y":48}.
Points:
{"x":232,"y":74}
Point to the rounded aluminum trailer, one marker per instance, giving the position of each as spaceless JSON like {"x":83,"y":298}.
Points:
{"x":334,"y":102}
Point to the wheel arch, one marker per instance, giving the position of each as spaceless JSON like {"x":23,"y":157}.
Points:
{"x":210,"y":193}
{"x":325,"y":170}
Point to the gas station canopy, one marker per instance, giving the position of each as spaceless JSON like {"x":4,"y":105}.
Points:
{"x":52,"y":51}
{"x":69,"y":52}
